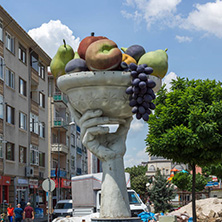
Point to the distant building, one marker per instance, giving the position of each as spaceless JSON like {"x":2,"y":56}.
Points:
{"x":164,"y":165}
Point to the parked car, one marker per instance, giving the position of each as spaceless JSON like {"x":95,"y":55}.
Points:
{"x":63,"y":208}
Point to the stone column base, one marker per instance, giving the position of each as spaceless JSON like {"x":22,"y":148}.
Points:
{"x":130,"y":219}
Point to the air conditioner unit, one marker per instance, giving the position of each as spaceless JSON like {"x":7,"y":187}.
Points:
{"x":29,"y":171}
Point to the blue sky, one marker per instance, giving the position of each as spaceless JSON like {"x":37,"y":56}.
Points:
{"x":191,"y":30}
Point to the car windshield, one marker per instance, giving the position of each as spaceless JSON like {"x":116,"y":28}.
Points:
{"x":63,"y":206}
{"x":133,"y":198}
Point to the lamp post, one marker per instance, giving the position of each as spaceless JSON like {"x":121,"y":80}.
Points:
{"x":58,"y":172}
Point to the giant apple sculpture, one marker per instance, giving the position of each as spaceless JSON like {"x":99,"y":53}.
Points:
{"x":103,"y":54}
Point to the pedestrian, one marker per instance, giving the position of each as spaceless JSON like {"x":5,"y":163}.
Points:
{"x":3,"y":217}
{"x":23,"y":204}
{"x":28,"y":214}
{"x":10,"y":213}
{"x":18,"y":213}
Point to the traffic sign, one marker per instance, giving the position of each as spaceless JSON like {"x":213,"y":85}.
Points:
{"x":48,"y":185}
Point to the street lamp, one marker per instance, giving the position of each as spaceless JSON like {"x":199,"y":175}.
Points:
{"x":71,"y":123}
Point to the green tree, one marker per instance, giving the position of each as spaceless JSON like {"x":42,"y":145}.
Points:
{"x":214,"y":170}
{"x":138,"y":180}
{"x":184,"y":181}
{"x":187,"y":125}
{"x":160,"y":193}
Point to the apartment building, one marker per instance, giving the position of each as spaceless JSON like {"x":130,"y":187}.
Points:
{"x":68,"y":155}
{"x":23,"y":115}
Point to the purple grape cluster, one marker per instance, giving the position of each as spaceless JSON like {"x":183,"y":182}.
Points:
{"x":141,"y":91}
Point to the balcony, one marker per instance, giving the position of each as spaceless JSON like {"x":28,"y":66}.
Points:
{"x":1,"y":49}
{"x":34,"y":107}
{"x":59,"y":122}
{"x":34,"y":77}
{"x":60,"y":99}
{"x":61,"y":173}
{"x":59,"y":148}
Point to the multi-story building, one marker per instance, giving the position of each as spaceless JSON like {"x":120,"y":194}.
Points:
{"x":68,"y":155}
{"x":23,"y":114}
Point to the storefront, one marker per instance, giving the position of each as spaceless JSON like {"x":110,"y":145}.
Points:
{"x":5,"y":182}
{"x":21,"y":190}
{"x":66,"y":189}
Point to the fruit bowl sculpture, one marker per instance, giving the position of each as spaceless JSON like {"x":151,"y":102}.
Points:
{"x":106,"y":86}
{"x":105,"y":90}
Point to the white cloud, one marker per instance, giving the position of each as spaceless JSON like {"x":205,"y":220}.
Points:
{"x":137,"y":125}
{"x":134,"y":160}
{"x":152,"y":11}
{"x":50,"y":36}
{"x":206,"y":17}
{"x":181,"y":39}
{"x":168,"y":78}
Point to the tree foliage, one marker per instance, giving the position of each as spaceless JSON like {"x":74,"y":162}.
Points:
{"x":214,"y":170}
{"x":187,"y":123}
{"x":184,"y":181}
{"x":186,"y":126}
{"x":160,"y":193}
{"x":138,"y":180}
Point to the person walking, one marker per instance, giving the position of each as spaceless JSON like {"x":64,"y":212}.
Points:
{"x":10,"y":213}
{"x":28,"y":214}
{"x":18,"y":213}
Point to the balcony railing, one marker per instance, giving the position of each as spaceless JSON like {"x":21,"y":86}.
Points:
{"x":59,"y":147}
{"x":61,"y":173}
{"x":60,"y":122}
{"x":60,"y":97}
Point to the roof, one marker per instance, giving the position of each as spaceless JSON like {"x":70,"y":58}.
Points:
{"x":9,"y":22}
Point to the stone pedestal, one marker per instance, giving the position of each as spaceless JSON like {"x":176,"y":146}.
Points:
{"x":130,"y":219}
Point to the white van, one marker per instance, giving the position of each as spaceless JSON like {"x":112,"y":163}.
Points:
{"x":63,"y":208}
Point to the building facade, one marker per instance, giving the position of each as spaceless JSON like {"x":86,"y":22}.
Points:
{"x":23,"y":115}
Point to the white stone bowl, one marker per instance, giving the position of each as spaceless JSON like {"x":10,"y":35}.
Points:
{"x":103,"y":90}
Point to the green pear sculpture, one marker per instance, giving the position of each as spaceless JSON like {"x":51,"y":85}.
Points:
{"x":63,"y":55}
{"x":158,"y":60}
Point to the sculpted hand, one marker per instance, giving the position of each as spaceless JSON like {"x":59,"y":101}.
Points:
{"x":97,"y":138}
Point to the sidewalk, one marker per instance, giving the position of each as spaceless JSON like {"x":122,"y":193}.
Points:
{"x":44,"y":219}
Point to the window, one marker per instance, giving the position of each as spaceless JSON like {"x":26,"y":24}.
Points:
{"x":10,"y":114}
{"x":10,"y":42}
{"x":34,"y":123}
{"x":1,"y":68}
{"x":41,"y":159}
{"x":1,"y":107}
{"x":41,"y":71}
{"x":152,"y":168}
{"x":22,"y":54}
{"x":42,"y":130}
{"x":10,"y":78}
{"x":1,"y":30}
{"x":72,"y":140}
{"x":34,"y":61}
{"x":73,"y":161}
{"x":10,"y":151}
{"x":41,"y":100}
{"x":22,"y":121}
{"x":22,"y":154}
{"x":22,"y":86}
{"x":1,"y":145}
{"x":34,"y":155}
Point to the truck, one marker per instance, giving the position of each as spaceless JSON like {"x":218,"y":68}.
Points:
{"x":86,"y":195}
